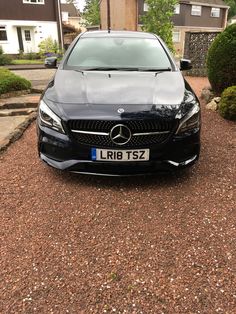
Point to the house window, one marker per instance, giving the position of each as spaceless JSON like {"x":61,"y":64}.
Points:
{"x":177,"y":9}
{"x":145,"y":7}
{"x":34,"y":1}
{"x":3,"y":33}
{"x":176,"y":36}
{"x":27,"y":35}
{"x":65,"y":16}
{"x":215,"y":12}
{"x":196,"y":10}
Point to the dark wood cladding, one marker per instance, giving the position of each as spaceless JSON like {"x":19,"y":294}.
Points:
{"x":205,"y":20}
{"x":17,"y":10}
{"x":186,"y":19}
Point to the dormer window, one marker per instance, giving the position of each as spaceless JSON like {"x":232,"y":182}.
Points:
{"x":215,"y":12}
{"x":145,"y":7}
{"x":65,"y":16}
{"x":196,"y":10}
{"x":34,"y":1}
{"x":177,"y":9}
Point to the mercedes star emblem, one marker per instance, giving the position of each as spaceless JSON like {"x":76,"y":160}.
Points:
{"x":120,"y":134}
{"x":121,"y":110}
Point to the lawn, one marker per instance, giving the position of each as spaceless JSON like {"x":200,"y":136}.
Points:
{"x":16,"y":61}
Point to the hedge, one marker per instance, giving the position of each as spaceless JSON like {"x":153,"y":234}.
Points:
{"x":10,"y":82}
{"x":227,"y":105}
{"x":221,"y":60}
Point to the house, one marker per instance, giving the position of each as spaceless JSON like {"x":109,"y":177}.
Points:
{"x":189,"y":16}
{"x":232,"y":20}
{"x":72,"y":16}
{"x":124,"y":14}
{"x":25,"y":23}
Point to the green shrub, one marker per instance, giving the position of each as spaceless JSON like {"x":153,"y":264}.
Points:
{"x":227,"y":105}
{"x":27,"y":56}
{"x":221,"y":60}
{"x":30,"y":56}
{"x":48,"y":47}
{"x":4,"y":59}
{"x":10,"y":82}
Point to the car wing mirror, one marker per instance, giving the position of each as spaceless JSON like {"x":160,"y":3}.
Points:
{"x":51,"y":62}
{"x":185,"y":64}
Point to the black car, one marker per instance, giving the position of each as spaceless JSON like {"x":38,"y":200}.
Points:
{"x":119,"y":105}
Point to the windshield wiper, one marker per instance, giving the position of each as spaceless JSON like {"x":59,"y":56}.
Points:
{"x":155,"y":69}
{"x":111,"y":69}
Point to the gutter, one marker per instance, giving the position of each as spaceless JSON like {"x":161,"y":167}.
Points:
{"x":203,"y":4}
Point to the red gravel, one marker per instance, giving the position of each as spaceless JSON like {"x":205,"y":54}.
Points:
{"x":77,"y":244}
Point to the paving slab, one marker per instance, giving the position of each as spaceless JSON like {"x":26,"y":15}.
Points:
{"x":29,"y":100}
{"x":12,"y":127}
{"x":16,"y":112}
{"x":8,"y":125}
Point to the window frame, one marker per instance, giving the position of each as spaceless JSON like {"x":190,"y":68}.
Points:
{"x":216,"y":9}
{"x":28,"y":39}
{"x":177,"y":9}
{"x":145,"y":7}
{"x":42,"y":2}
{"x":3,"y":28}
{"x":179,"y":36}
{"x":194,"y":7}
{"x":63,"y":14}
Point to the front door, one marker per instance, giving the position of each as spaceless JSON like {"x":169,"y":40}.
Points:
{"x":28,"y":40}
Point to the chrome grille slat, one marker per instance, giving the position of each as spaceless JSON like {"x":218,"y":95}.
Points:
{"x":144,"y":132}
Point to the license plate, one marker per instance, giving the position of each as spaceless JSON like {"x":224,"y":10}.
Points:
{"x":120,"y":155}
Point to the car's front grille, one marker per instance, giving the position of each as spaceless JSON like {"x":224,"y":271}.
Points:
{"x":141,"y":130}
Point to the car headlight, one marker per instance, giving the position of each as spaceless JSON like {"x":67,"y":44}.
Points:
{"x":191,"y":121}
{"x":48,"y":118}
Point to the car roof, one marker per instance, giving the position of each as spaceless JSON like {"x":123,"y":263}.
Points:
{"x":95,"y":34}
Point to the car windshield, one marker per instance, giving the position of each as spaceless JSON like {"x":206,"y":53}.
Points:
{"x":114,"y":53}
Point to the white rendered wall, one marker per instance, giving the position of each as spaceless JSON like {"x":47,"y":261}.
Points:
{"x":39,"y":30}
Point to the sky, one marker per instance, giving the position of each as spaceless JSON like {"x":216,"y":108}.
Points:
{"x":80,"y":4}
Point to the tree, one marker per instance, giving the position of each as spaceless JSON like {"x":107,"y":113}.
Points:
{"x":157,"y":19}
{"x":92,"y":12}
{"x":232,"y":10}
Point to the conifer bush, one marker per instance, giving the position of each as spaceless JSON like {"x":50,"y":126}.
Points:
{"x":227,"y":105}
{"x":221,"y":60}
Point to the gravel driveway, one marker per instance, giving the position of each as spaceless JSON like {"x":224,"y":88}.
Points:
{"x":77,"y":244}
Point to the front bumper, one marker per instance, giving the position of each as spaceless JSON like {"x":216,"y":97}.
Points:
{"x":61,"y":152}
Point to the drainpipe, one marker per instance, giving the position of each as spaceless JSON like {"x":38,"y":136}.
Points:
{"x":60,"y":24}
{"x":108,"y":16}
{"x":226,"y":18}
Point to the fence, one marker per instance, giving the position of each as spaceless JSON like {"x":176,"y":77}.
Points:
{"x":196,"y":48}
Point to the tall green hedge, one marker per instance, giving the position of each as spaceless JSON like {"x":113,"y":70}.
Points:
{"x":10,"y":82}
{"x":221,"y":60}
